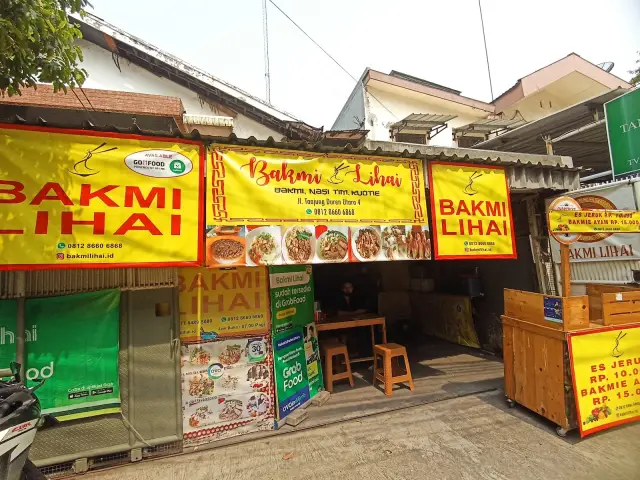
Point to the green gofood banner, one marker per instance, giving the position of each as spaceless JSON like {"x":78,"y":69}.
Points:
{"x":291,"y":291}
{"x":72,"y":343}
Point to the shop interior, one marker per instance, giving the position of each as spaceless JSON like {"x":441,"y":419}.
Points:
{"x":446,"y":314}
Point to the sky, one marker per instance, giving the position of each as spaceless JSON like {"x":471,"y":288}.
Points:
{"x":440,"y":41}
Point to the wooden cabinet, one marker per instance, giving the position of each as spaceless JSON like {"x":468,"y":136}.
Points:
{"x":535,"y":331}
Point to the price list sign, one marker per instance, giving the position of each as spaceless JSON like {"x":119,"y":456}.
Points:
{"x":605,"y":364}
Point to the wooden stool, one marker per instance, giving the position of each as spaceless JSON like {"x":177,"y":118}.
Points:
{"x":387,"y":374}
{"x":330,"y":351}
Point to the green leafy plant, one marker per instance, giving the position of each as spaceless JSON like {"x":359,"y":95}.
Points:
{"x":37,"y":44}
{"x":635,"y":80}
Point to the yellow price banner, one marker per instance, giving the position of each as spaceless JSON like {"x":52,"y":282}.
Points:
{"x":271,"y":187}
{"x":594,"y":221}
{"x":222,"y":303}
{"x":471,"y":211}
{"x":74,"y":198}
{"x":605,"y":366}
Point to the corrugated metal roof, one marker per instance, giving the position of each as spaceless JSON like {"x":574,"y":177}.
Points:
{"x":426,"y":120}
{"x":213,"y":120}
{"x":577,"y":131}
{"x":159,"y":62}
{"x":487,"y":125}
{"x":525,"y":171}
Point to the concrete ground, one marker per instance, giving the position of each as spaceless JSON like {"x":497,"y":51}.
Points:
{"x":469,"y":437}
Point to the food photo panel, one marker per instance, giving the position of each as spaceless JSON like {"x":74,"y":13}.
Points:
{"x":264,"y":246}
{"x":298,"y":244}
{"x":332,"y":244}
{"x":225,"y":245}
{"x":366,"y":244}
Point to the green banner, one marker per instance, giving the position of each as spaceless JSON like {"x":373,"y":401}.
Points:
{"x":312,"y":356}
{"x":291,"y":290}
{"x":72,"y":343}
{"x":623,"y":130}
{"x":290,"y":366}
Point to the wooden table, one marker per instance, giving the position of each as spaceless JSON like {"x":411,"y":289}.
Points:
{"x":339,"y":323}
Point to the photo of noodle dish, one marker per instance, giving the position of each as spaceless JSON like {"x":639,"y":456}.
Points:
{"x":227,"y":250}
{"x":298,"y":244}
{"x":263,"y":246}
{"x":394,"y":242}
{"x":333,"y":245}
{"x":366,"y":243}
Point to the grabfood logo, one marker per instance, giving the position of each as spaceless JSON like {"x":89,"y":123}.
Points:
{"x":159,"y":163}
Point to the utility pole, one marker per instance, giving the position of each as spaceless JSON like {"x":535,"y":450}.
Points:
{"x":486,"y":52}
{"x":265,"y":31}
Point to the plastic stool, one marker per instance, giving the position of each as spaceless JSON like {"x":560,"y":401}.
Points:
{"x":330,"y":351}
{"x":386,"y":373}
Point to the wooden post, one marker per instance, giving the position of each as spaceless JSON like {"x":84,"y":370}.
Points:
{"x":535,"y":244}
{"x":565,"y":270}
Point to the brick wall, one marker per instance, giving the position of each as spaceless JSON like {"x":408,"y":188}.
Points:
{"x":100,"y":100}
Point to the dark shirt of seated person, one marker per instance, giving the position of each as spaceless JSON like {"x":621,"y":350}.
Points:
{"x":347,"y":302}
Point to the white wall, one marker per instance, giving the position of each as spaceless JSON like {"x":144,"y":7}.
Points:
{"x":379,"y":119}
{"x":353,"y":108}
{"x":104,"y":75}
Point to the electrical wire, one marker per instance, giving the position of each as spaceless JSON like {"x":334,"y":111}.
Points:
{"x":486,"y":52}
{"x":133,"y":429}
{"x":85,"y":96}
{"x":91,"y":119}
{"x":330,"y":56}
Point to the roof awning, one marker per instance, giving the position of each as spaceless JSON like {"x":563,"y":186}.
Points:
{"x":488,"y":126}
{"x":428,"y":124}
{"x":578,"y":131}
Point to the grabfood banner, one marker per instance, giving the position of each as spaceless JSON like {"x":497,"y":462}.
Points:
{"x":271,"y":187}
{"x":471,"y":209}
{"x":595,"y":247}
{"x":291,"y":291}
{"x":72,"y":343}
{"x":290,"y":366}
{"x":72,"y":198}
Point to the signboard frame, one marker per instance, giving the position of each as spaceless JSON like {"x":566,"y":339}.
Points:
{"x":220,"y":181}
{"x":435,"y":228}
{"x":571,"y":335}
{"x":123,"y":136}
{"x":606,"y":106}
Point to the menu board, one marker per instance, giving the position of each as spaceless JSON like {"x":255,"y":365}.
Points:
{"x":605,"y":366}
{"x":254,"y":245}
{"x":227,"y":389}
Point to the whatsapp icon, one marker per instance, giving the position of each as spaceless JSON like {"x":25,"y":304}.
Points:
{"x":61,"y":245}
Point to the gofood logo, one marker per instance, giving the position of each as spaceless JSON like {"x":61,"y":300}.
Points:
{"x":159,"y":163}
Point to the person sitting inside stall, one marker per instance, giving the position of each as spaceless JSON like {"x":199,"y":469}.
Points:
{"x":348,"y":303}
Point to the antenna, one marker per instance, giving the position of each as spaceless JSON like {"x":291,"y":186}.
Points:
{"x":265,"y":31}
{"x":486,"y":52}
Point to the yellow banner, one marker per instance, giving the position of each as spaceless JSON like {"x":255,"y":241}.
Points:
{"x":72,"y":198}
{"x":471,"y":211}
{"x":594,"y":221}
{"x":222,"y":303}
{"x":271,"y":187}
{"x":606,"y":377}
